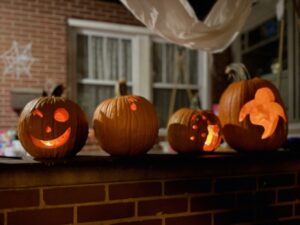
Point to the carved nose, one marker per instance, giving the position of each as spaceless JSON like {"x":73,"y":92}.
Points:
{"x":48,"y":129}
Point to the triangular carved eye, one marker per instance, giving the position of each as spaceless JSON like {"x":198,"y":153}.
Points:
{"x":61,"y":115}
{"x":38,"y":113}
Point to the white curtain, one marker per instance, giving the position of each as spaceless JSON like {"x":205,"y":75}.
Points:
{"x":176,"y":21}
{"x":166,"y":72}
{"x":111,"y":58}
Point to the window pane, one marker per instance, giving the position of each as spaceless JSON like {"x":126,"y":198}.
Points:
{"x":193,"y":67}
{"x":296,"y":94}
{"x":109,"y":59}
{"x":125,"y":58}
{"x":82,"y":56}
{"x":161,"y":99}
{"x":297,"y":105}
{"x":98,"y":57}
{"x":112,"y":58}
{"x":90,"y":96}
{"x":172,"y":63}
{"x":157,"y":62}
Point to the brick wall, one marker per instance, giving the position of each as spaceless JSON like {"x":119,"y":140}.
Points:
{"x":248,"y":199}
{"x":44,"y":24}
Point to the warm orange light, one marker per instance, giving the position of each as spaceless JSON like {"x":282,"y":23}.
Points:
{"x":133,"y":107}
{"x":132,"y":101}
{"x":195,"y":127}
{"x":194,"y":117}
{"x":48,"y":129}
{"x":53,"y":143}
{"x":61,"y":115}
{"x":37,"y":112}
{"x":213,"y":138}
{"x":263,"y":111}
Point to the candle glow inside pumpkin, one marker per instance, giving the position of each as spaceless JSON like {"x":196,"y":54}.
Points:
{"x":213,"y":132}
{"x":61,"y":115}
{"x":263,"y":111}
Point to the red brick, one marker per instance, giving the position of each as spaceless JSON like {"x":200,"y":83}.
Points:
{"x":297,"y":209}
{"x":41,"y":217}
{"x":273,"y":212}
{"x":212,"y":202}
{"x":188,"y":186}
{"x":134,"y":190}
{"x":284,"y":222}
{"x":69,"y":195}
{"x":204,"y":219}
{"x":105,"y":212}
{"x":289,"y":194}
{"x":162,"y":206}
{"x":248,"y":199}
{"x":19,"y":198}
{"x":1,"y":219}
{"x":45,"y":22}
{"x":235,"y":184}
{"x":278,"y":180}
{"x":234,"y":217}
{"x":260,"y":214}
{"x":141,"y":222}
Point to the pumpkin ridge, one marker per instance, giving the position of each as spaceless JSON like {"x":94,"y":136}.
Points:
{"x":130,"y":129}
{"x":244,"y":135}
{"x":188,"y":130}
{"x":29,"y":124}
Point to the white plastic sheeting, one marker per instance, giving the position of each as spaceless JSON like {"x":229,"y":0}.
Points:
{"x":176,"y":21}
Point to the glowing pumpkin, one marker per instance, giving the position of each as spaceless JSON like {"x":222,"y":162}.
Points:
{"x":252,"y":113}
{"x":52,"y":127}
{"x":126,"y":125}
{"x":194,"y":131}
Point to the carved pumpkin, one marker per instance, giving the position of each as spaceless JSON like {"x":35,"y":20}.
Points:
{"x":194,"y":131}
{"x":252,"y":113}
{"x":52,"y":127}
{"x":126,"y":125}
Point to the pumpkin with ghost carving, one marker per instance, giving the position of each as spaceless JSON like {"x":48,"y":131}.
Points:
{"x":252,"y":113}
{"x":125,"y":125}
{"x":192,"y":131}
{"x":52,"y":127}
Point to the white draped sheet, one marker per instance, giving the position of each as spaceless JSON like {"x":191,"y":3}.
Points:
{"x":176,"y":21}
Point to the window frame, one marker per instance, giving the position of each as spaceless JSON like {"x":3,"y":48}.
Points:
{"x":141,"y":37}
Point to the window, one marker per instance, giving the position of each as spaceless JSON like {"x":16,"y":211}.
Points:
{"x":101,"y":60}
{"x":104,"y":53}
{"x":175,"y":77}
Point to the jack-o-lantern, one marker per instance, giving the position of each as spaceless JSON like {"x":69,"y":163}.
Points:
{"x":52,"y":127}
{"x":192,"y":131}
{"x":126,"y":124}
{"x":252,"y":113}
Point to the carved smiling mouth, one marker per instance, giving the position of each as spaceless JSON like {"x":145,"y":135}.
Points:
{"x":53,"y":143}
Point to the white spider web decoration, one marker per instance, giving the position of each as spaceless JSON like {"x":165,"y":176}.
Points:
{"x":17,"y":60}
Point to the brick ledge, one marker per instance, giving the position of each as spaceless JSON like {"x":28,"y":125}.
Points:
{"x":83,"y":169}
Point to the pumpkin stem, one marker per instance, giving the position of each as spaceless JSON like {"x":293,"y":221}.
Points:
{"x":237,"y":71}
{"x":121,"y":88}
